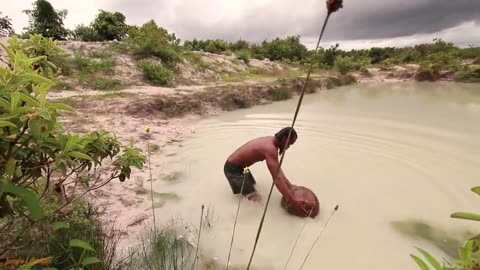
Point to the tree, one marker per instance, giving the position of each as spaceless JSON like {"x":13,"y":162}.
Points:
{"x":46,"y":21}
{"x":289,"y":48}
{"x":110,"y":26}
{"x":5,"y":26}
{"x":85,"y":33}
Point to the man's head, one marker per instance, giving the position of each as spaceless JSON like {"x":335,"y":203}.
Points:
{"x":281,"y":138}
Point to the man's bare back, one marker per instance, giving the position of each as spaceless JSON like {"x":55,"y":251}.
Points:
{"x":254,"y":151}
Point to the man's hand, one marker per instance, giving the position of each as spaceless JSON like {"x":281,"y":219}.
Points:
{"x":301,"y":208}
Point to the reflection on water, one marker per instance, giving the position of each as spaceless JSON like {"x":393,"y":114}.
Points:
{"x":448,"y":241}
{"x":383,"y":152}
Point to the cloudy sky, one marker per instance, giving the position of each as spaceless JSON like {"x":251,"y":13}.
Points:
{"x":360,"y":24}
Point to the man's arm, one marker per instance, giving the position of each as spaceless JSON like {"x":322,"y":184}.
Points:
{"x":282,"y":183}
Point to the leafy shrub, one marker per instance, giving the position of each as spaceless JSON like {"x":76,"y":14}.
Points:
{"x":344,"y":64}
{"x":151,"y":40}
{"x":468,"y":75}
{"x":380,"y":54}
{"x":468,"y":53}
{"x":39,"y":156}
{"x":243,"y":55}
{"x":85,"y":33}
{"x":289,"y":48}
{"x":231,"y":100}
{"x":281,"y":93}
{"x":428,"y":73}
{"x":52,"y":58}
{"x":110,"y":25}
{"x":155,"y":73}
{"x":85,"y":64}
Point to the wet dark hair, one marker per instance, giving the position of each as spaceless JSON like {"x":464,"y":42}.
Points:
{"x":283,"y":134}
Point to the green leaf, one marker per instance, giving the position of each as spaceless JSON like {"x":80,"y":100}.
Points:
{"x":15,"y":97}
{"x":46,"y":115}
{"x":71,"y":141}
{"x":79,"y":155}
{"x":465,"y":215}
{"x":28,"y":196}
{"x":90,"y":260}
{"x":33,"y":77}
{"x":50,"y":268}
{"x":4,"y":104}
{"x":60,"y":106}
{"x":476,"y":190}
{"x":465,"y":253}
{"x":29,"y":100}
{"x":39,"y":128}
{"x":430,"y":259}
{"x":60,"y":225}
{"x":7,"y":124}
{"x":81,"y":244}
{"x":423,"y":265}
{"x":10,"y":167}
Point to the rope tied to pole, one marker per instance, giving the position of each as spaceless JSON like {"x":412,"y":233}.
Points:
{"x":332,"y":6}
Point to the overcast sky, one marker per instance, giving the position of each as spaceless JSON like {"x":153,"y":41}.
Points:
{"x":360,"y":24}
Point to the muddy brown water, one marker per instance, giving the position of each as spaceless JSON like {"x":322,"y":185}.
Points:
{"x":385,"y":153}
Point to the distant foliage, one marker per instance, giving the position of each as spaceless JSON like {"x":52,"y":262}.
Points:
{"x":46,"y":21}
{"x":110,"y":25}
{"x":152,"y":40}
{"x":469,"y":75}
{"x":344,"y":64}
{"x":5,"y":26}
{"x":289,"y":48}
{"x":243,"y":55}
{"x":85,"y":33}
{"x":216,"y":46}
{"x":155,"y":73}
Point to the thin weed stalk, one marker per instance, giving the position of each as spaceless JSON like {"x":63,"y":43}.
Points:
{"x":318,"y":237}
{"x":296,"y":241}
{"x":151,"y":179}
{"x":198,"y":241}
{"x":236,"y":217}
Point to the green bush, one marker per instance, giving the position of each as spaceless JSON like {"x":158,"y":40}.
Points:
{"x":85,"y":33}
{"x":428,"y":73}
{"x":281,"y":93}
{"x":88,"y":65}
{"x":344,"y":64}
{"x":243,"y":55}
{"x":155,"y":73}
{"x":151,"y":40}
{"x":231,"y":100}
{"x":288,"y":48}
{"x":52,"y":59}
{"x":110,"y":25}
{"x":468,"y":75}
{"x":40,"y":157}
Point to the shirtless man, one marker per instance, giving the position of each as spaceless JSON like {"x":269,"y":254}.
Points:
{"x":259,"y":149}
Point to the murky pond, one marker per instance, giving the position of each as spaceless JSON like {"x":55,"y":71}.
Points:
{"x":397,"y":158}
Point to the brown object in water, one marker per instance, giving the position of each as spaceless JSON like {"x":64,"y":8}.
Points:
{"x":334,"y":5}
{"x":302,"y":194}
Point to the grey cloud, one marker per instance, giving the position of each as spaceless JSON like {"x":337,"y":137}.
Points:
{"x":259,"y":20}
